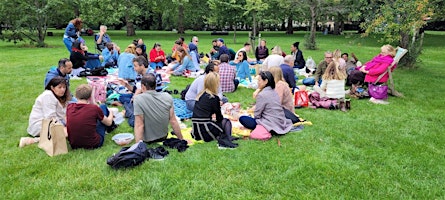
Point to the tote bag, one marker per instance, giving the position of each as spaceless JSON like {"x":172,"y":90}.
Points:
{"x":52,"y":137}
{"x":301,"y":99}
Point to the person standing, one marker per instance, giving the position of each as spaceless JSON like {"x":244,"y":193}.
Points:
{"x":72,"y":32}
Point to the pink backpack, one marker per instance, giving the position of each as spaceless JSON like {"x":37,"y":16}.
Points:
{"x":99,"y":89}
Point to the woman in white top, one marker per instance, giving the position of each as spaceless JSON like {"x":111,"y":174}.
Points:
{"x":50,"y":104}
{"x":275,"y":59}
{"x":333,"y":85}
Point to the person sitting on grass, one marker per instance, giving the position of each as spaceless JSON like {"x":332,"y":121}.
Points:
{"x":208,"y":121}
{"x":242,"y":66}
{"x":321,"y":68}
{"x":185,"y":64}
{"x":333,"y":85}
{"x":50,"y":104}
{"x":110,"y":55}
{"x":153,"y":112}
{"x":275,"y":59}
{"x":64,"y":68}
{"x":157,"y":57}
{"x":282,"y":89}
{"x":268,"y":110}
{"x":86,"y":123}
{"x":125,"y":63}
{"x":227,"y":72}
{"x":140,"y":51}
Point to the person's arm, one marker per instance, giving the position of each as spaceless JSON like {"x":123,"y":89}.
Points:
{"x":256,"y":54}
{"x":71,"y":31}
{"x":175,"y":125}
{"x":317,"y":73}
{"x":100,"y":37}
{"x":108,"y":120}
{"x":324,"y":85}
{"x":301,"y":61}
{"x":246,"y":70}
{"x":139,"y":127}
{"x":49,"y":106}
{"x":152,"y":55}
{"x":259,"y":106}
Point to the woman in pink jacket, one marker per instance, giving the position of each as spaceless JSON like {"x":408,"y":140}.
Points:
{"x":370,"y":71}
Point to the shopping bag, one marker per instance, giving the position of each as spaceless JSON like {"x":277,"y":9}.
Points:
{"x":301,"y":99}
{"x":52,"y":137}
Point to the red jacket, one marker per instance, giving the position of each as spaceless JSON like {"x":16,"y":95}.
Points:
{"x":154,"y":54}
{"x":377,"y":66}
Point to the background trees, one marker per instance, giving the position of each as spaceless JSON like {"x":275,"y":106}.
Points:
{"x":399,"y":22}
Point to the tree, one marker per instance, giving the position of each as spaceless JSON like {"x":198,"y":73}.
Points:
{"x":28,"y":20}
{"x":400,"y":21}
{"x":252,"y":8}
{"x":313,"y":7}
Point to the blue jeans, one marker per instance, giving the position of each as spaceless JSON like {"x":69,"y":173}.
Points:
{"x":248,"y":122}
{"x":100,"y":127}
{"x":155,"y":65}
{"x":68,"y":43}
{"x":311,"y":81}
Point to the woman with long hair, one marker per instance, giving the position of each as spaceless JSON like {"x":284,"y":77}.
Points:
{"x":242,"y":66}
{"x":185,"y":63}
{"x":72,"y":32}
{"x":157,"y":57}
{"x":50,"y":104}
{"x":208,"y":121}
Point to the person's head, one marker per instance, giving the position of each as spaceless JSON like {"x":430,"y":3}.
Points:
{"x":110,"y":46}
{"x":224,"y":58}
{"x":345,"y":56}
{"x":182,"y":39}
{"x":139,"y":64}
{"x":193,"y":47}
{"x":65,"y":66}
{"x":195,"y":40}
{"x":148,"y":82}
{"x":211,"y":84}
{"x":178,"y":43}
{"x":139,"y":50}
{"x":328,"y":57}
{"x":212,"y":67}
{"x":247,"y":46}
{"x":58,"y":87}
{"x":242,"y":56}
{"x":277,"y":73}
{"x":182,"y":52}
{"x":265,"y":79}
{"x":157,"y":46}
{"x":388,"y":50}
{"x":289,"y":59}
{"x":103,"y":28}
{"x":131,"y":48}
{"x":294,"y":46}
{"x":333,"y":72}
{"x":77,"y":22}
{"x":263,"y":43}
{"x":214,"y":42}
{"x":76,"y":45}
{"x":220,"y":42}
{"x":83,"y":92}
{"x":138,"y":41}
{"x":336,"y":54}
{"x":277,"y":50}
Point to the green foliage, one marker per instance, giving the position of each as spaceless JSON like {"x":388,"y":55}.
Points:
{"x":309,"y":44}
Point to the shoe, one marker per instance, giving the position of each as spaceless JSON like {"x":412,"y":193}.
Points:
{"x":225,"y":143}
{"x":111,"y":128}
{"x":348,"y":104}
{"x":343,"y":106}
{"x":24,"y":141}
{"x":223,"y":146}
{"x":157,"y":154}
{"x":296,"y":128}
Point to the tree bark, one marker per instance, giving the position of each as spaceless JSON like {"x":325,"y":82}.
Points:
{"x":130,"y":27}
{"x":254,"y":24}
{"x":313,"y":7}
{"x":290,"y":28}
{"x":181,"y":18}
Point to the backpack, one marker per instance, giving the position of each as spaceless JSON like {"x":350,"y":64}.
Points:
{"x":129,"y":156}
{"x":183,"y":92}
{"x":99,"y":89}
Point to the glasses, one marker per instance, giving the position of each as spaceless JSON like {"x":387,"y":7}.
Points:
{"x":327,"y":57}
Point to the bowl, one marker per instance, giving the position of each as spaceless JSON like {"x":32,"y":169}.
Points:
{"x":123,"y":139}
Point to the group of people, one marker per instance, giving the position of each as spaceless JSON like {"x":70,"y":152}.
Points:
{"x":151,"y":111}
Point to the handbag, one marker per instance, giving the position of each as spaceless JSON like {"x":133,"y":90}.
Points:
{"x":260,"y":133}
{"x":301,"y":99}
{"x":52,"y":137}
{"x":378,"y":91}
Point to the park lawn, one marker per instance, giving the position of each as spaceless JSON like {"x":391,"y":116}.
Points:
{"x":393,"y":151}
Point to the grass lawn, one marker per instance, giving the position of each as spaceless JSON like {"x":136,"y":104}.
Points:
{"x":393,"y":151}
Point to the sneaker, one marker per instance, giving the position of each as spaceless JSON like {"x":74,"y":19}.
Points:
{"x":222,"y":146}
{"x":296,"y":128}
{"x":111,"y":128}
{"x":24,"y":141}
{"x":152,"y":154}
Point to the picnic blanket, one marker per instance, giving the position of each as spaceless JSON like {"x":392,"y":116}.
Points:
{"x":181,"y":109}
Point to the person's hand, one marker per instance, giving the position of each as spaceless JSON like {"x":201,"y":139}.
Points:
{"x":123,"y":81}
{"x":101,"y":57}
{"x":213,"y":117}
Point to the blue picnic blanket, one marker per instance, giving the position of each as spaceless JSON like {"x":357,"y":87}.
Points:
{"x":181,"y":109}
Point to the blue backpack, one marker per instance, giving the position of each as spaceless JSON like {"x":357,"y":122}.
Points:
{"x":129,"y":156}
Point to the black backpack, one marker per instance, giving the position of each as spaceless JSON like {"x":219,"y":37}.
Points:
{"x":129,"y":156}
{"x":183,"y":92}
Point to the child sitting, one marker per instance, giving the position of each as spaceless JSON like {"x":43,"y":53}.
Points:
{"x":85,"y":122}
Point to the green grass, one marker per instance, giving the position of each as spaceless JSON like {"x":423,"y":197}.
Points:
{"x":393,"y":151}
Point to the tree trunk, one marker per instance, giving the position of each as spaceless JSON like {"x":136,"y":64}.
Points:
{"x":404,"y":40}
{"x":311,"y":41}
{"x":254,"y":34}
{"x":234,"y":34}
{"x":290,"y":28}
{"x":181,"y":18}
{"x":130,"y":27}
{"x":336,"y":28}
